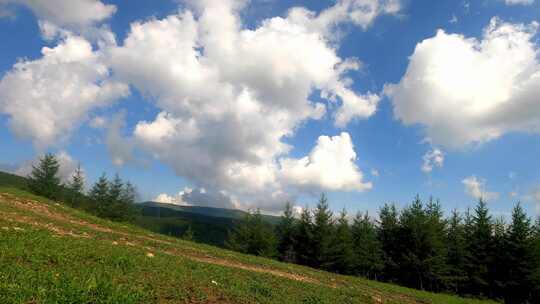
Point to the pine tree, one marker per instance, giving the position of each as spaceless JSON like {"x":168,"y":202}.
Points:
{"x":128,"y":194}
{"x":253,"y":236}
{"x":534,"y":277}
{"x":368,"y":254}
{"x":239,"y":238}
{"x":437,"y":264}
{"x":519,"y":258}
{"x":322,"y":234}
{"x":264,"y":237}
{"x":415,"y":250}
{"x":423,"y":252}
{"x":456,"y":253}
{"x":342,"y":257}
{"x":76,"y":186}
{"x":498,"y":268}
{"x":115,"y":188}
{"x":44,"y":180}
{"x":121,"y":199}
{"x":286,"y":235}
{"x":304,"y":239}
{"x":99,"y":194}
{"x":188,"y":234}
{"x":388,"y":235}
{"x":480,"y":247}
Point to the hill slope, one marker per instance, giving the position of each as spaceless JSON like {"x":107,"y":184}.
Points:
{"x":206,"y":229}
{"x":50,"y":253}
{"x":209,"y":211}
{"x":209,"y":225}
{"x":12,"y":180}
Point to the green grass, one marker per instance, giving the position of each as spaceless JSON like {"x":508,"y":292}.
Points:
{"x":11,"y":180}
{"x":50,"y":253}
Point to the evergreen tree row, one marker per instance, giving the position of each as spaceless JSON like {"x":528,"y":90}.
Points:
{"x":108,"y":199}
{"x":470,"y":254}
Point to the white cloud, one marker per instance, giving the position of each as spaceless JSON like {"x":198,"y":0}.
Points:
{"x":56,"y":15}
{"x":375,"y":172}
{"x":521,"y":2}
{"x":198,"y":197}
{"x":167,"y":199}
{"x":467,"y":91}
{"x":432,"y":158}
{"x":66,"y":170}
{"x":176,"y":199}
{"x":229,"y":97}
{"x":46,"y":99}
{"x":475,"y":188}
{"x":359,"y":12}
{"x":297,"y":211}
{"x":98,"y":122}
{"x":330,"y":165}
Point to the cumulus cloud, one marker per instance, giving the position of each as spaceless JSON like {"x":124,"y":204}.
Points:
{"x":359,"y":12}
{"x":47,"y":98}
{"x":475,"y":188}
{"x":330,"y":165}
{"x":432,"y":158}
{"x":229,"y":97}
{"x":98,"y":122}
{"x":516,"y":2}
{"x":468,"y":91}
{"x":67,"y":168}
{"x":57,"y":15}
{"x":197,"y":197}
{"x":176,"y":199}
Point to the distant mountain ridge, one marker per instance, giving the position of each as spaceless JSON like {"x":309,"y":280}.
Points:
{"x":209,"y":225}
{"x":210,"y":211}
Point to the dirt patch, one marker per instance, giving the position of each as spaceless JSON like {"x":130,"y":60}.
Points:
{"x":16,"y":218}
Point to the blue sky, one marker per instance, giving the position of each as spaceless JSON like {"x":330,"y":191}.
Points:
{"x":498,"y":156}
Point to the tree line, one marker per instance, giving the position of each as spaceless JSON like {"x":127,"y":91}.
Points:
{"x":112,"y":199}
{"x":470,"y":254}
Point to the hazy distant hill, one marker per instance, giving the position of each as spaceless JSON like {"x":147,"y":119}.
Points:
{"x":210,"y":211}
{"x":209,"y":225}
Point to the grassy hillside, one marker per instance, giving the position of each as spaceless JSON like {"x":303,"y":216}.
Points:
{"x":50,"y":253}
{"x":11,"y":180}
